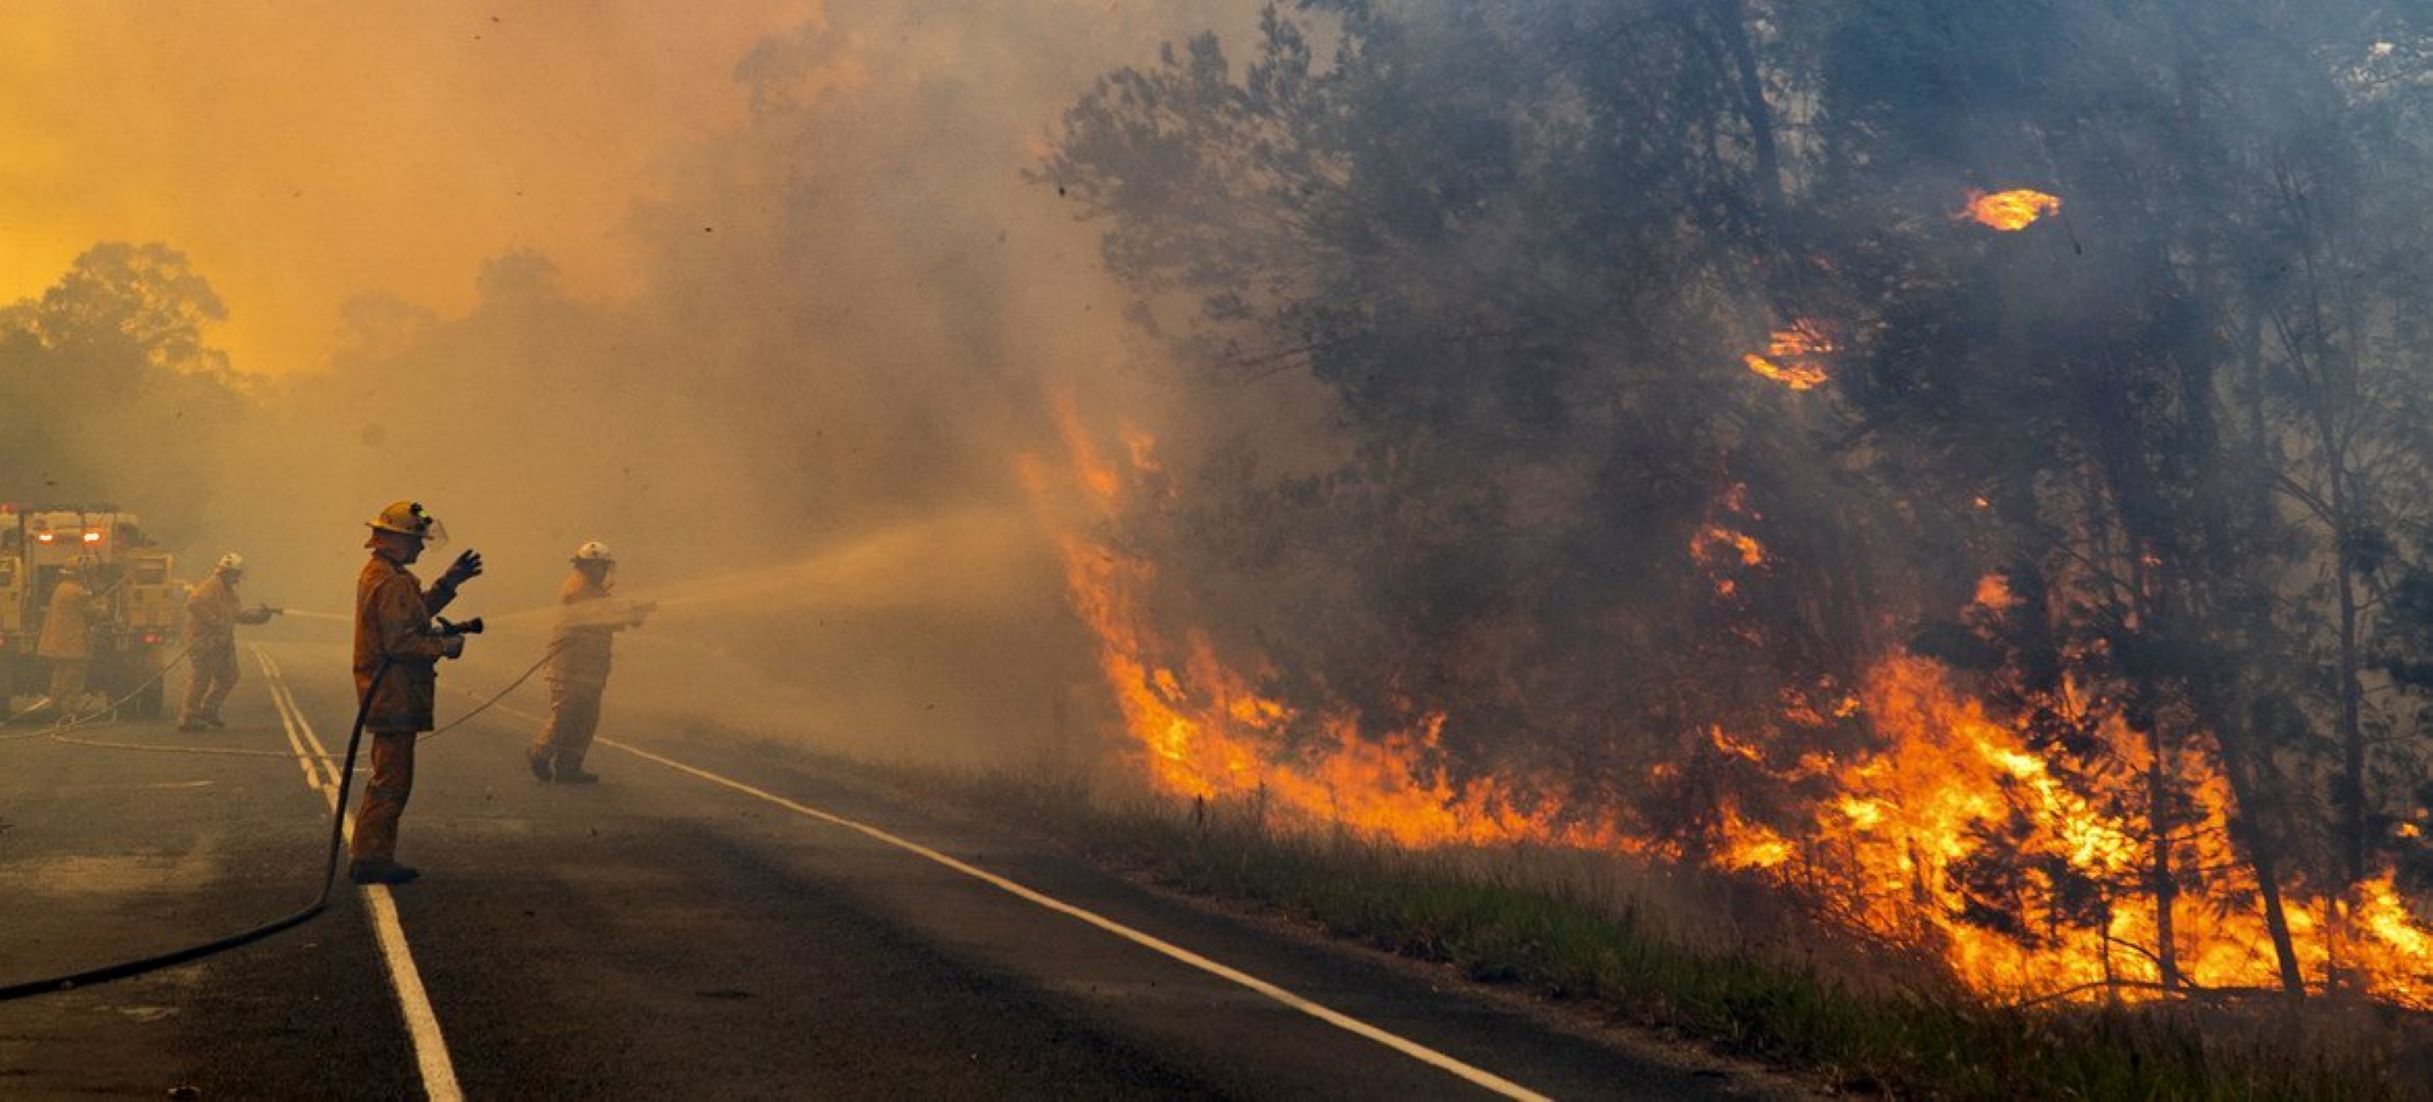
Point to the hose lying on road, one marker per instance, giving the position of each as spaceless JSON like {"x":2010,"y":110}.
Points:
{"x":94,"y":719}
{"x":56,"y":734}
{"x":329,"y":877}
{"x":329,"y":870}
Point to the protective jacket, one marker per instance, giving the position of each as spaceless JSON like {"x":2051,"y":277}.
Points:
{"x":393,"y":622}
{"x":581,"y":646}
{"x":67,"y":625}
{"x":212,"y":615}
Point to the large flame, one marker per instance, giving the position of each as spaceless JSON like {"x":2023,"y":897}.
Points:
{"x":2009,"y":211}
{"x":1896,"y":848}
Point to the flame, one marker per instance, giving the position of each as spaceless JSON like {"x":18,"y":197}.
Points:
{"x":2009,"y":211}
{"x":1717,"y":546}
{"x":1716,"y":543}
{"x":1896,"y":843}
{"x":1795,"y":357}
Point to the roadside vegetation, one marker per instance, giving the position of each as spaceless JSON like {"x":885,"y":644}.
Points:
{"x":1689,"y":953}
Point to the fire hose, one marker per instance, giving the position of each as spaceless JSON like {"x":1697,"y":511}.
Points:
{"x":329,"y":876}
{"x":329,"y":870}
{"x":71,"y":723}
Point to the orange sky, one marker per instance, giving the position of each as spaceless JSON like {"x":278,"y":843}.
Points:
{"x":301,"y":153}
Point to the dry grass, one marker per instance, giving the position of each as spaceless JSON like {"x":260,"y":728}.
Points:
{"x":1725,"y":961}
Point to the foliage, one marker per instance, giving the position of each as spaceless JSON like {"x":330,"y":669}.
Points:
{"x":1524,"y":249}
{"x":108,"y":389}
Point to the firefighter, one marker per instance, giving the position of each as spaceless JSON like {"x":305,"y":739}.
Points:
{"x":67,"y":633}
{"x":397,"y":651}
{"x":212,"y":616}
{"x":578,"y":664}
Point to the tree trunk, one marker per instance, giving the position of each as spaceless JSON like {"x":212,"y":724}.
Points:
{"x":2165,"y":886}
{"x":2262,"y":859}
{"x":1731,"y":23}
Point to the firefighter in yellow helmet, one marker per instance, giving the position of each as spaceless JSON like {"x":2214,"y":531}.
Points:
{"x":578,"y":664}
{"x":397,"y":651}
{"x":212,"y":616}
{"x":67,"y":633}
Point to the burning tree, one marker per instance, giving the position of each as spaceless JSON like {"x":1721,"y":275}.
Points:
{"x":2024,"y":603}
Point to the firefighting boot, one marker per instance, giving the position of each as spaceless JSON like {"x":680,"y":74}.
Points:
{"x":538,"y":759}
{"x":574,"y":774}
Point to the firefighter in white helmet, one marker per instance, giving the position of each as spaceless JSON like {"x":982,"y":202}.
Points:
{"x":398,"y":646}
{"x":588,"y":621}
{"x":67,"y":632}
{"x":212,"y":615}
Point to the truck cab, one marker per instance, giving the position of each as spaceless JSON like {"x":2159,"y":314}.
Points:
{"x":133,"y":646}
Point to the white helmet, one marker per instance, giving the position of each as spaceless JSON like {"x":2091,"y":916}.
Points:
{"x":232,"y":563}
{"x":595,"y":551}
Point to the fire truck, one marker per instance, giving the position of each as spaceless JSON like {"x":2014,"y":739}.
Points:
{"x":134,"y":577}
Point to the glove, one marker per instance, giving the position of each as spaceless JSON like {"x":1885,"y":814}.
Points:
{"x":467,"y":567}
{"x":643,"y":610}
{"x":452,"y":646}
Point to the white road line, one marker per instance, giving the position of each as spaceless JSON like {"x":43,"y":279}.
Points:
{"x":304,"y":758}
{"x":422,"y":1022}
{"x":1338,"y":1019}
{"x":1413,"y":1049}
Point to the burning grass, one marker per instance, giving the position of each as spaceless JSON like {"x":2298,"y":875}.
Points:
{"x":1717,"y":958}
{"x":2024,"y":865}
{"x":1724,"y":960}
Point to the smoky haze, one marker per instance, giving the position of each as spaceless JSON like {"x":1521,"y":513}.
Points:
{"x":1796,"y":439}
{"x":800,"y":428}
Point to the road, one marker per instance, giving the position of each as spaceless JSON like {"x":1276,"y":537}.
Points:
{"x":717,"y":919}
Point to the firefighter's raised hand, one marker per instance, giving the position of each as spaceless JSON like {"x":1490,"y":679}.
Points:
{"x":467,"y":567}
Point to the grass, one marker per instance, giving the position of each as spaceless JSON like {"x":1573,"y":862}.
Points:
{"x":1500,"y":920}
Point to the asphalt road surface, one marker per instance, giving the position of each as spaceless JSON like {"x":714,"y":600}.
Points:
{"x":716,"y":920}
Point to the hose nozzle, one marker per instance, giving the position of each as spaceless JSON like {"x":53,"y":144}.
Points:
{"x":468,"y":627}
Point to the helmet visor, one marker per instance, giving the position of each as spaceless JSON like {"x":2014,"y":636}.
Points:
{"x":434,"y":535}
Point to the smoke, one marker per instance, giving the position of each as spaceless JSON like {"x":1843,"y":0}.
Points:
{"x":770,"y":303}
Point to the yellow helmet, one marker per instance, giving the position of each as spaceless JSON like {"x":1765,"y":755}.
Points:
{"x":407,"y":518}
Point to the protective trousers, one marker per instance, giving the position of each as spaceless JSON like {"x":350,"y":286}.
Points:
{"x":68,"y":680}
{"x":384,"y":799}
{"x":213,"y":674}
{"x":574,"y":715}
